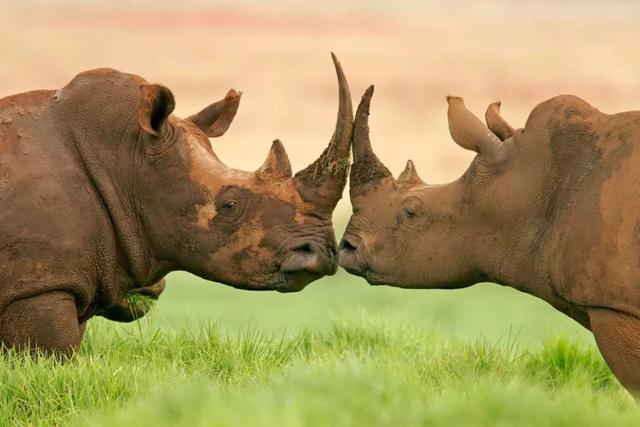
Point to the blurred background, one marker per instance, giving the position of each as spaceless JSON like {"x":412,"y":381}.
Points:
{"x":415,"y":51}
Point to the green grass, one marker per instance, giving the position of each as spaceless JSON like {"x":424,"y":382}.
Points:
{"x":339,"y":353}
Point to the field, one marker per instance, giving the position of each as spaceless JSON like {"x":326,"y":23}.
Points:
{"x":341,"y":352}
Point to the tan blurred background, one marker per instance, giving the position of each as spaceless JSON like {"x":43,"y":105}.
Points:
{"x":277,"y":53}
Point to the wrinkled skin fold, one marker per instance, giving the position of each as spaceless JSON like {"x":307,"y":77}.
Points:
{"x":105,"y":191}
{"x":550,"y":209}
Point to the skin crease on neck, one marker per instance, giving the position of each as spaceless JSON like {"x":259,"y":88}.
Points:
{"x":549,"y":209}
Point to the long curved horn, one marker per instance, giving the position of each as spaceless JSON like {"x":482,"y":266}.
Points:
{"x":367,"y":169}
{"x":323,"y":181}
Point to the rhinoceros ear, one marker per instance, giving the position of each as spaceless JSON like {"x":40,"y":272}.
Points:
{"x":496,"y":123}
{"x":156,"y":104}
{"x":215,"y":119}
{"x":470,"y":133}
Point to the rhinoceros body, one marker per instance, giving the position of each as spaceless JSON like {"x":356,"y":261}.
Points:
{"x":103,"y":192}
{"x":551,"y":209}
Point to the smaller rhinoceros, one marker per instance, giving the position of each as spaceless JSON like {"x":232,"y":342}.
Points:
{"x":104,"y":192}
{"x":550,"y":209}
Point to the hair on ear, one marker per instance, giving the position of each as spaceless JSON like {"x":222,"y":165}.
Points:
{"x":156,"y":104}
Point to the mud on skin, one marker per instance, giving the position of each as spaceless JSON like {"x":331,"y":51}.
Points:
{"x":550,"y":209}
{"x":148,"y":196}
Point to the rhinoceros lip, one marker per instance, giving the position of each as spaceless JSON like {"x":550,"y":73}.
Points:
{"x":373,"y":278}
{"x":295,"y":282}
{"x":280,"y":282}
{"x":366,"y":273}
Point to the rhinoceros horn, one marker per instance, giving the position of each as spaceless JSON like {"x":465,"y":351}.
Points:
{"x":322,"y":182}
{"x":409,"y":176}
{"x":276,"y":166}
{"x":367,"y":169}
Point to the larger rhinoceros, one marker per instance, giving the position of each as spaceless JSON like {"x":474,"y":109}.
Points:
{"x":103,"y":192}
{"x":550,"y":209}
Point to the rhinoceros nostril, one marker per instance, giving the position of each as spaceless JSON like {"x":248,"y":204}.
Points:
{"x":350,"y":258}
{"x":347,"y":246}
{"x":307,"y":256}
{"x":304,"y":248}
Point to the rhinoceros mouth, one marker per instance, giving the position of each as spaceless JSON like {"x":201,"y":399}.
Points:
{"x":364,"y":271}
{"x":373,"y":278}
{"x":280,"y":281}
{"x":295,"y":282}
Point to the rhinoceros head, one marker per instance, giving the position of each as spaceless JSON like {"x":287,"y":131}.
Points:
{"x":406,"y":233}
{"x":261,"y":230}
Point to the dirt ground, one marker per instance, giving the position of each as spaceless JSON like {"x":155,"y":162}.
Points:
{"x":415,"y":54}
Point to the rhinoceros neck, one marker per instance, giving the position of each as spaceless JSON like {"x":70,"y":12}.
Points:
{"x":562,"y":219}
{"x":102,"y":133}
{"x":513,"y":263}
{"x":134,"y":249}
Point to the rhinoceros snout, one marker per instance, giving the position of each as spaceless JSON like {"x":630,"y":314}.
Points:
{"x":305,"y":263}
{"x":309,"y":257}
{"x":348,"y":256}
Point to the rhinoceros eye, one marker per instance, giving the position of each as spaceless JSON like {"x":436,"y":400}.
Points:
{"x":409,"y":213}
{"x":229,"y":204}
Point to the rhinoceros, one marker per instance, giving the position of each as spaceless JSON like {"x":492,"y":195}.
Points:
{"x":550,"y":209}
{"x":104,"y":192}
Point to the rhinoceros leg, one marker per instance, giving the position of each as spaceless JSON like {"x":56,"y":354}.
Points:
{"x":47,"y":323}
{"x":618,"y":338}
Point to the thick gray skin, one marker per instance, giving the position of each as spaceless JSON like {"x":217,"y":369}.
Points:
{"x":104,"y":192}
{"x":550,"y":209}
